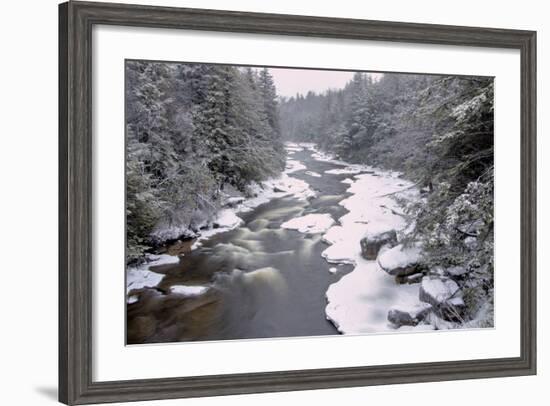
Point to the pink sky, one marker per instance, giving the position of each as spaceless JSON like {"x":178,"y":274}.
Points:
{"x":292,"y":81}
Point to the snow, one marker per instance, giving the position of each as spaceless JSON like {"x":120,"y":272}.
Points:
{"x":162,"y":259}
{"x":359,"y":302}
{"x":399,"y":257}
{"x":293,"y":166}
{"x":314,"y":174}
{"x":233,"y":201}
{"x":369,"y":213}
{"x":293,"y":147}
{"x":440,"y":290}
{"x":142,"y":277}
{"x":287,"y":186}
{"x":414,"y":311}
{"x":348,"y":181}
{"x":456,"y":270}
{"x":187,"y":290}
{"x":333,"y":269}
{"x":310,"y":223}
{"x":322,"y":156}
{"x":349,"y":170}
{"x":169,"y":232}
{"x":226,"y":220}
{"x":308,"y":145}
{"x":342,"y":249}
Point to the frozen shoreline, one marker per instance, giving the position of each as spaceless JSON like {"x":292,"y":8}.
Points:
{"x":360,"y":301}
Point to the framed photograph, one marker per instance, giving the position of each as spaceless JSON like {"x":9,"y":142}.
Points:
{"x":259,"y":202}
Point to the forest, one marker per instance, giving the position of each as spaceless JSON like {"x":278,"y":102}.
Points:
{"x":191,"y":131}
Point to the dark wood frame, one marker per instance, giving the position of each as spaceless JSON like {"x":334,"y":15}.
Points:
{"x":75,"y":180}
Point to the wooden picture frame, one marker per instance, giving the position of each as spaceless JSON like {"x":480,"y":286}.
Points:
{"x":76,"y":20}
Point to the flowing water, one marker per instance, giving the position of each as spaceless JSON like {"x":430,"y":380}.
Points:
{"x":265,"y":281}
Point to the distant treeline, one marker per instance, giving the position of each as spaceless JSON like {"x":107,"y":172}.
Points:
{"x":438,"y":131}
{"x":191,"y":130}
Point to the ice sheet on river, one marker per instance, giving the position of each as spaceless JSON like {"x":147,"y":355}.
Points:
{"x":141,"y":276}
{"x":359,"y":301}
{"x":310,"y":223}
{"x":189,"y":290}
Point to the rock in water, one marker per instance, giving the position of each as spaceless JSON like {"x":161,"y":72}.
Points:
{"x":401,"y":261}
{"x":400,"y":316}
{"x":371,"y":244}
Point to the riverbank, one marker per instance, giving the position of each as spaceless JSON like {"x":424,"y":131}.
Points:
{"x":390,"y":288}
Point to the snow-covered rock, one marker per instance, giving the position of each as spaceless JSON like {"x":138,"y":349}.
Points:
{"x":400,"y":260}
{"x":343,"y":171}
{"x":437,"y":291}
{"x":408,"y":316}
{"x":313,"y":174}
{"x":371,"y":244}
{"x":456,"y":271}
{"x":227,"y":218}
{"x":188,"y":290}
{"x":310,"y":224}
{"x":141,"y":276}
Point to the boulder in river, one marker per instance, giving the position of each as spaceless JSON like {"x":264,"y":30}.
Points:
{"x":401,"y":260}
{"x":371,"y":244}
{"x":403,"y":316}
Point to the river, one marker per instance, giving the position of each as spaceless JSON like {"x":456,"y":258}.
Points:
{"x":264,"y":280}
